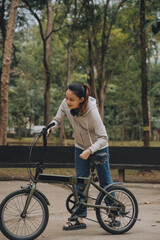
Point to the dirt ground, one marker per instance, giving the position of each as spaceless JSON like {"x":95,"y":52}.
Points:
{"x":147,"y":195}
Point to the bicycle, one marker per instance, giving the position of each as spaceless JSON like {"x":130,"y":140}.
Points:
{"x":24,"y":213}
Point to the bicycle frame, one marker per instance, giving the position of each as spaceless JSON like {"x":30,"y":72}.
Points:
{"x":73,"y":181}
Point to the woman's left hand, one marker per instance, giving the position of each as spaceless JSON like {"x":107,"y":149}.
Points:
{"x":85,"y":154}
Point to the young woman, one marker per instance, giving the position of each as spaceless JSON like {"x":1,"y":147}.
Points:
{"x":89,"y":134}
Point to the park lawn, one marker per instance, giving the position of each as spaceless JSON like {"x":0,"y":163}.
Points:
{"x":130,"y":175}
{"x":53,"y":141}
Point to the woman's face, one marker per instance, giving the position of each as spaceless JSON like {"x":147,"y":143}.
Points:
{"x":72,"y":100}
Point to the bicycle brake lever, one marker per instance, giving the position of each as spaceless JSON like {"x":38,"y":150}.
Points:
{"x":44,"y":130}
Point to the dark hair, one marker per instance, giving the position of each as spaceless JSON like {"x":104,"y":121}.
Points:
{"x":81,"y":90}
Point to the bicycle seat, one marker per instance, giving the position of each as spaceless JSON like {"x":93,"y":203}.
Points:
{"x":98,"y":158}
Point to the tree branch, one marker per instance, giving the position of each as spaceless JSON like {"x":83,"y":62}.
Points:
{"x":36,"y":17}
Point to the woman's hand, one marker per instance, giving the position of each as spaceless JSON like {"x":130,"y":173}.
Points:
{"x":49,"y":131}
{"x":85,"y":154}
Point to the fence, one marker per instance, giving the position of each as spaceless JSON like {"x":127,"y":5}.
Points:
{"x":121,"y":158}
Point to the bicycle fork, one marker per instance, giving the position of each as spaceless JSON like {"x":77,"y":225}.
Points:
{"x":24,"y":212}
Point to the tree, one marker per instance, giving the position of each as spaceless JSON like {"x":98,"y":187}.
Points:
{"x":77,"y":11}
{"x":144,"y":75}
{"x":46,"y":39}
{"x":4,"y":14}
{"x":101,"y":19}
{"x":6,"y":72}
{"x":2,"y":21}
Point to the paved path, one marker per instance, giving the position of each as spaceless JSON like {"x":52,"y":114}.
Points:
{"x":148,"y":197}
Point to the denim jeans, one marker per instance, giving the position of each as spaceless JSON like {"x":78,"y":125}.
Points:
{"x":83,"y":170}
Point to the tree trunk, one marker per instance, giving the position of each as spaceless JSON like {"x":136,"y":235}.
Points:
{"x":2,"y":21}
{"x":101,"y":99}
{"x":144,"y":75}
{"x":69,"y":57}
{"x":47,"y":44}
{"x":46,"y":53}
{"x":6,"y":72}
{"x":91,"y":80}
{"x":100,"y":56}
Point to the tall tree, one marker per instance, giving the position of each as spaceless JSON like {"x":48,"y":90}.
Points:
{"x":101,"y":19}
{"x":77,"y":11}
{"x":2,"y":21}
{"x":4,"y":13}
{"x":144,"y":75}
{"x":46,"y":39}
{"x":6,"y":72}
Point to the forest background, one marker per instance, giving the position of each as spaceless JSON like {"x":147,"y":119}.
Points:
{"x":96,"y":42}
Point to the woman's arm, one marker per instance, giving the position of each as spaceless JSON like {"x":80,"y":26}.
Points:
{"x":99,"y":130}
{"x":60,"y":116}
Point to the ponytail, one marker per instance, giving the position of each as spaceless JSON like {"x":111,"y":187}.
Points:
{"x":83,"y":106}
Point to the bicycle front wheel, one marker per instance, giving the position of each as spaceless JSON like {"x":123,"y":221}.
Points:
{"x":16,"y":227}
{"x":117,"y":221}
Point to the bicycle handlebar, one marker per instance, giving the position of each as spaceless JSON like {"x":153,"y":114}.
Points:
{"x":44,"y":133}
{"x":44,"y":130}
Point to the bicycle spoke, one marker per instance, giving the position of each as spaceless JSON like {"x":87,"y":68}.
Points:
{"x":17,"y":225}
{"x":117,"y":220}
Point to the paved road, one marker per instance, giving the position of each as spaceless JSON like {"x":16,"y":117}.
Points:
{"x":148,"y":197}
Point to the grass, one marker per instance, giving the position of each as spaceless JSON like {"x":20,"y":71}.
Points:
{"x":52,"y":141}
{"x":132,"y":143}
{"x":130,"y":175}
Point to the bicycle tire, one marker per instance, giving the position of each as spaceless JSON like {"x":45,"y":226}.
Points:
{"x":13,"y":226}
{"x":117,"y":222}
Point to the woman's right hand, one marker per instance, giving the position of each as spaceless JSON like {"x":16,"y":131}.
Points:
{"x":51,"y":127}
{"x":49,"y":131}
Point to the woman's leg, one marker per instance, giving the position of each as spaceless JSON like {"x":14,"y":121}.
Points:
{"x":104,"y":175}
{"x":103,"y":170}
{"x":82,"y":167}
{"x":82,"y":170}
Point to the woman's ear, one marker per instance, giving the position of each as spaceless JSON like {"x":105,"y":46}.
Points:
{"x":82,"y":100}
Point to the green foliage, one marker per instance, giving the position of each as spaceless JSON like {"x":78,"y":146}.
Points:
{"x":122,"y":113}
{"x":154,"y":96}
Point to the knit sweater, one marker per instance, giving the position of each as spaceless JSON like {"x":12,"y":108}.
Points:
{"x":89,"y":130}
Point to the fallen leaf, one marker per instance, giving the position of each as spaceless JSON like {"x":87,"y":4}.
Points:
{"x":146,"y":202}
{"x":153,"y":225}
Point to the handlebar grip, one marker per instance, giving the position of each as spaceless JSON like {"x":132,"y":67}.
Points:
{"x":50,"y":125}
{"x":44,"y":130}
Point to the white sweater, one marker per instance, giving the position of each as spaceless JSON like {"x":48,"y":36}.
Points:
{"x":89,"y":130}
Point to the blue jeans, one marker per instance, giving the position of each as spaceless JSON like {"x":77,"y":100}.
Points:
{"x":83,"y":169}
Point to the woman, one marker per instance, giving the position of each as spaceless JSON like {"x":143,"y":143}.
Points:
{"x":89,"y":134}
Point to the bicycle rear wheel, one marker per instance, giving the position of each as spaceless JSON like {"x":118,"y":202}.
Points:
{"x":16,"y":227}
{"x":117,"y":221}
